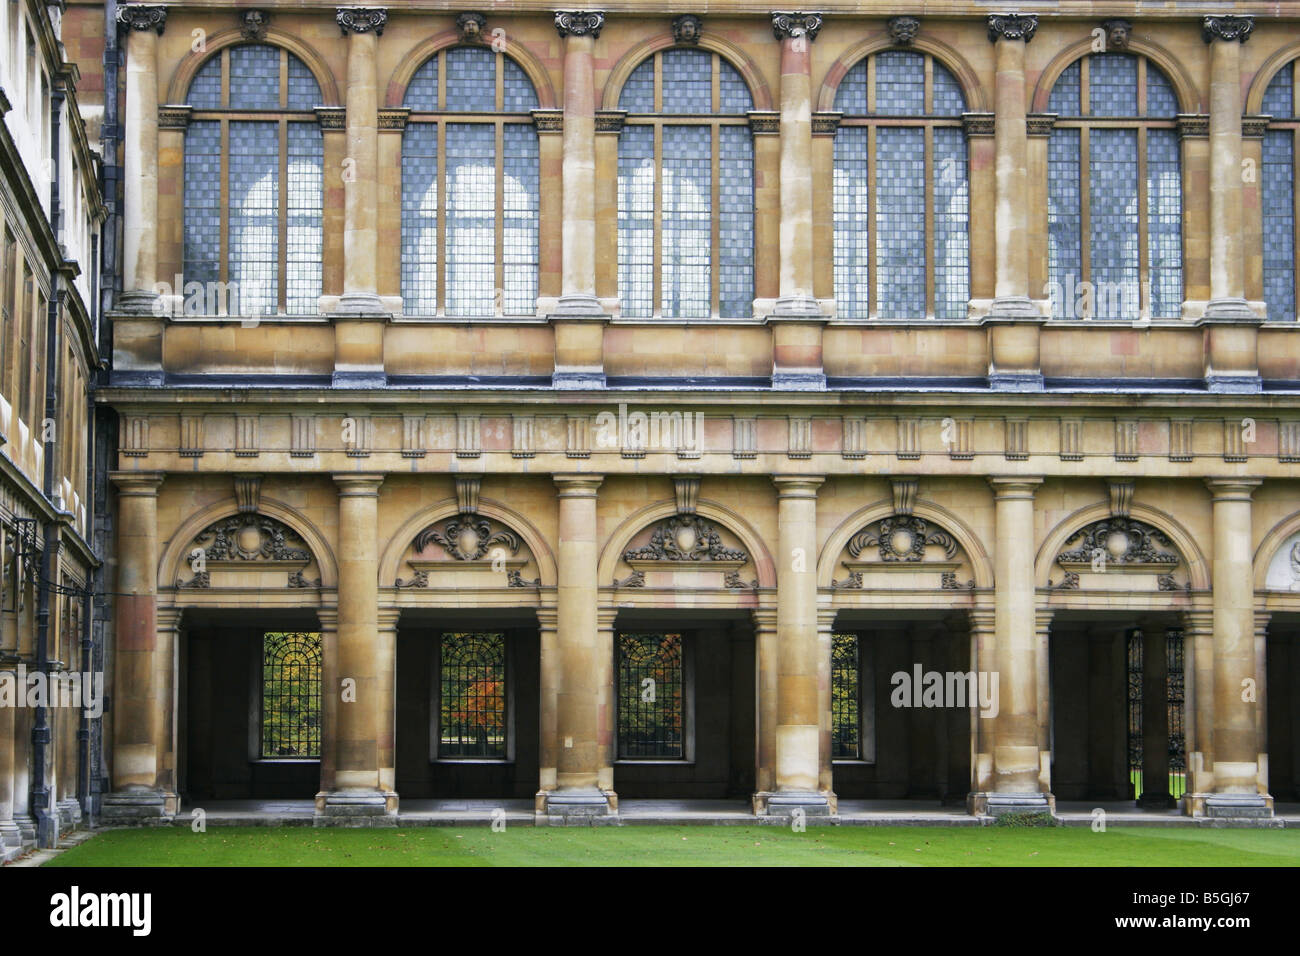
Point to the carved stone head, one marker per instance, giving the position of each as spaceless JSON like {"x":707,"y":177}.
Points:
{"x":471,"y":26}
{"x":253,"y":24}
{"x":903,"y":30}
{"x":1117,"y":33}
{"x":686,"y":28}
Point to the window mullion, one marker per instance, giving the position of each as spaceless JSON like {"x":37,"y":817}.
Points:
{"x":223,"y":250}
{"x":1144,"y":225}
{"x":715,"y":217}
{"x":282,"y":231}
{"x":657,"y":304}
{"x":1085,"y":209}
{"x":440,"y":283}
{"x":498,"y":293}
{"x":873,"y":298}
{"x":931,"y":189}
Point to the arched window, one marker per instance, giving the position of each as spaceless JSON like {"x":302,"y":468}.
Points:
{"x":686,"y":189}
{"x":254,"y":189}
{"x":472,"y":696}
{"x":1279,"y":195}
{"x":469,"y":234}
{"x":1115,"y":193}
{"x":291,"y":714}
{"x":901,"y":191}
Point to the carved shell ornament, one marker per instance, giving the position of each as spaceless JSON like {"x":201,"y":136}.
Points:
{"x":685,"y":538}
{"x":466,"y":538}
{"x":1122,"y":541}
{"x":901,"y":538}
{"x":250,"y":537}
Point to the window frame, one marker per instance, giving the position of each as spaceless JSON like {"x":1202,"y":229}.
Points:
{"x":257,"y":704}
{"x":866,"y":700}
{"x":1291,"y":125}
{"x":225,"y":114}
{"x":435,"y":696}
{"x":689,"y":638}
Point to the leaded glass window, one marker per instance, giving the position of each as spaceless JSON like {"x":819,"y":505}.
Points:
{"x":901,"y":191}
{"x":291,"y":702}
{"x":472,"y":696}
{"x":651,"y":697}
{"x":1277,"y":183}
{"x":470,"y":187}
{"x":1114,"y":192}
{"x":686,"y":189}
{"x":254,"y":183}
{"x":846,"y":698}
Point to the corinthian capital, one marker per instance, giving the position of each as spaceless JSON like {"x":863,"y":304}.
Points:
{"x":796,"y":25}
{"x":361,"y":19}
{"x":139,"y":16}
{"x":1012,"y":26}
{"x":579,"y":23}
{"x":1229,"y":28}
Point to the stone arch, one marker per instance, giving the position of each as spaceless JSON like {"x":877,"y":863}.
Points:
{"x":971,"y":88}
{"x":1197,"y":568}
{"x":1264,"y":76}
{"x":1189,"y":100}
{"x":635,"y":523}
{"x":179,"y":87}
{"x":1275,"y":539}
{"x":712,"y":42}
{"x":175,"y":551}
{"x":981,"y":565}
{"x":390,"y":558}
{"x":524,"y":58}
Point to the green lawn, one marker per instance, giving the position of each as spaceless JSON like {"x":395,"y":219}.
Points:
{"x":687,"y":846}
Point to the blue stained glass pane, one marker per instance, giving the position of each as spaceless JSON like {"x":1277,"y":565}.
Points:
{"x":420,"y":219}
{"x":1113,"y":215}
{"x":1066,"y":93}
{"x":687,"y":81}
{"x":1278,"y":184}
{"x":736,"y":221}
{"x":1112,"y":84}
{"x":851,"y":96}
{"x":471,"y":219}
{"x":202,"y":202}
{"x":520,"y":97}
{"x":900,"y":222}
{"x":1064,"y":221}
{"x":253,"y":187}
{"x":306,"y":190}
{"x":304,"y":91}
{"x":1278,"y":98}
{"x":422,"y":91}
{"x":851,"y":232}
{"x":1165,"y":223}
{"x":686,"y":241}
{"x":255,"y":77}
{"x":1161,"y":100}
{"x":638,"y":93}
{"x":519,"y":242}
{"x":951,"y":224}
{"x":948,"y":98}
{"x":205,"y":88}
{"x":733,"y":91}
{"x":471,"y":80}
{"x":636,"y":205}
{"x":900,"y":83}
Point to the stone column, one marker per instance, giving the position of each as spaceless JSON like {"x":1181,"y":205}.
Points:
{"x":765,"y":703}
{"x":386,"y":682}
{"x":10,"y":835}
{"x":580,"y":674}
{"x":359,"y":327}
{"x":547,"y":742}
{"x":167,"y":680}
{"x":330,"y":695}
{"x":1236,"y":750}
{"x":579,"y":320}
{"x":983,"y":650}
{"x":605,"y":617}
{"x":138,"y":700}
{"x":1198,"y":684}
{"x":143,"y":25}
{"x":1261,"y":700}
{"x":1231,"y":333}
{"x":797,"y":319}
{"x":825,"y":767}
{"x":362,"y":669}
{"x":798,"y":701}
{"x":1014,"y":320}
{"x":1017,"y":762}
{"x":1043,"y":706}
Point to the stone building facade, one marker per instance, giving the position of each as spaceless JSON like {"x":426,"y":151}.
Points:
{"x":619,"y":404}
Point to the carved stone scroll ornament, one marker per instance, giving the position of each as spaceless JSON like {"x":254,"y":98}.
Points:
{"x":733,"y":581}
{"x":466,"y":538}
{"x":634,"y":580}
{"x":515,"y":579}
{"x":685,"y":538}
{"x":250,"y":537}
{"x":579,"y":23}
{"x":297,"y":580}
{"x":1227,"y":28}
{"x":796,"y":25}
{"x":1012,"y":26}
{"x":1122,"y":541}
{"x":361,"y":20}
{"x":140,"y":16}
{"x":901,"y":538}
{"x":419,"y":580}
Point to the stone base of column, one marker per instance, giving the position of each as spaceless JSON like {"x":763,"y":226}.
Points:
{"x":69,"y":812}
{"x":367,"y":304}
{"x":578,"y":323}
{"x":797,"y":306}
{"x":356,"y":808}
{"x":26,"y":824}
{"x":1238,"y":806}
{"x":1231,"y":347}
{"x":11,"y":841}
{"x":797,"y":323}
{"x":578,"y":305}
{"x":1013,"y":325}
{"x":135,"y":807}
{"x":137,"y":302}
{"x":1231,"y":309}
{"x":786,"y":803}
{"x":1000,"y":804}
{"x":593,"y":807}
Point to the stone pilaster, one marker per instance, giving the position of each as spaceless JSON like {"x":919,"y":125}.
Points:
{"x":143,"y":25}
{"x":579,"y":321}
{"x":1198,"y":683}
{"x":330,"y":696}
{"x":1043,"y":697}
{"x":547,"y":741}
{"x":1017,"y":760}
{"x":166,"y":677}
{"x":386,"y":684}
{"x":766,"y":653}
{"x":825,"y":766}
{"x":797,"y":320}
{"x":798,"y":713}
{"x":581,"y":676}
{"x":1236,"y":677}
{"x":139,"y":701}
{"x":1231,"y":326}
{"x":10,"y":835}
{"x":983,"y":647}
{"x":1261,"y":700}
{"x":362,"y":791}
{"x":1014,"y":320}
